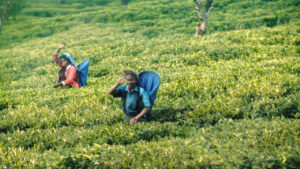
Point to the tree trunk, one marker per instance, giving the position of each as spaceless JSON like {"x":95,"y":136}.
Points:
{"x":201,"y":27}
{"x":3,"y":14}
{"x":0,"y":24}
{"x":203,"y":16}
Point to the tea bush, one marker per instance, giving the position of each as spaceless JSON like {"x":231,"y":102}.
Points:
{"x":228,"y":144}
{"x":255,"y":145}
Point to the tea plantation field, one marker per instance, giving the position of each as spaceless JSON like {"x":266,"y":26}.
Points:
{"x":229,"y":99}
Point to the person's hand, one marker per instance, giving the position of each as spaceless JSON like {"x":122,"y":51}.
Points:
{"x":133,"y":121}
{"x":57,"y":85}
{"x":121,"y":80}
{"x":62,"y":45}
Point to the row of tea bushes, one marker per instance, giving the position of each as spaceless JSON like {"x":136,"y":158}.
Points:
{"x":256,"y":143}
{"x":71,"y":136}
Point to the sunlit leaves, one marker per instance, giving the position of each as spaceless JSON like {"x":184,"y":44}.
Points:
{"x":229,"y":99}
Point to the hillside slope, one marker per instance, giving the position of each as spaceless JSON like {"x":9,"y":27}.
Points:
{"x":229,"y":99}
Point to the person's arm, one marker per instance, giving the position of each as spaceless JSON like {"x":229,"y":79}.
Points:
{"x":70,"y":77}
{"x":114,"y":87}
{"x":57,"y":85}
{"x":147,"y":105}
{"x":136,"y":118}
{"x":55,"y":55}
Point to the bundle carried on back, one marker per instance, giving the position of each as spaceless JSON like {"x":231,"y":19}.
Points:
{"x":150,"y":81}
{"x":82,"y":68}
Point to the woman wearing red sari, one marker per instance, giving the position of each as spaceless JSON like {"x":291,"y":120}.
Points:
{"x":67,"y":75}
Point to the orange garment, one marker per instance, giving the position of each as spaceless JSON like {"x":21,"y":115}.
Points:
{"x":71,"y":73}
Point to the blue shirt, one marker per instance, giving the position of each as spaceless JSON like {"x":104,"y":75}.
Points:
{"x":133,"y":102}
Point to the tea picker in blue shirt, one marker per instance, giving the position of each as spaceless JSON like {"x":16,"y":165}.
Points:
{"x":135,"y":99}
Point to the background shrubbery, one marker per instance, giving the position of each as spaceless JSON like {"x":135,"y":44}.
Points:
{"x":229,"y":99}
{"x":148,"y":18}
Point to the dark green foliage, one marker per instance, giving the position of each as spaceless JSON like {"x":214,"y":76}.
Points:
{"x":14,"y":8}
{"x":99,"y":73}
{"x":3,"y":105}
{"x":166,"y":17}
{"x":86,"y":3}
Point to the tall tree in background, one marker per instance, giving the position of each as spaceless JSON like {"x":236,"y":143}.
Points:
{"x":5,"y":8}
{"x":124,"y":2}
{"x":9,"y":8}
{"x":203,"y":14}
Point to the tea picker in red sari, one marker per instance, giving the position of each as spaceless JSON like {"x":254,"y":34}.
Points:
{"x":67,"y":75}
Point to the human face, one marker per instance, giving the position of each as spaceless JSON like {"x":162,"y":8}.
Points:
{"x":64,"y":62}
{"x":130,"y":81}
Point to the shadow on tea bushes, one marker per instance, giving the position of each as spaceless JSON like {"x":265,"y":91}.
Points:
{"x":169,"y":114}
{"x":116,"y":134}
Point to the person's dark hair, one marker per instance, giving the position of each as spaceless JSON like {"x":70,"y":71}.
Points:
{"x":64,"y":57}
{"x":133,"y":74}
{"x":61,"y":75}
